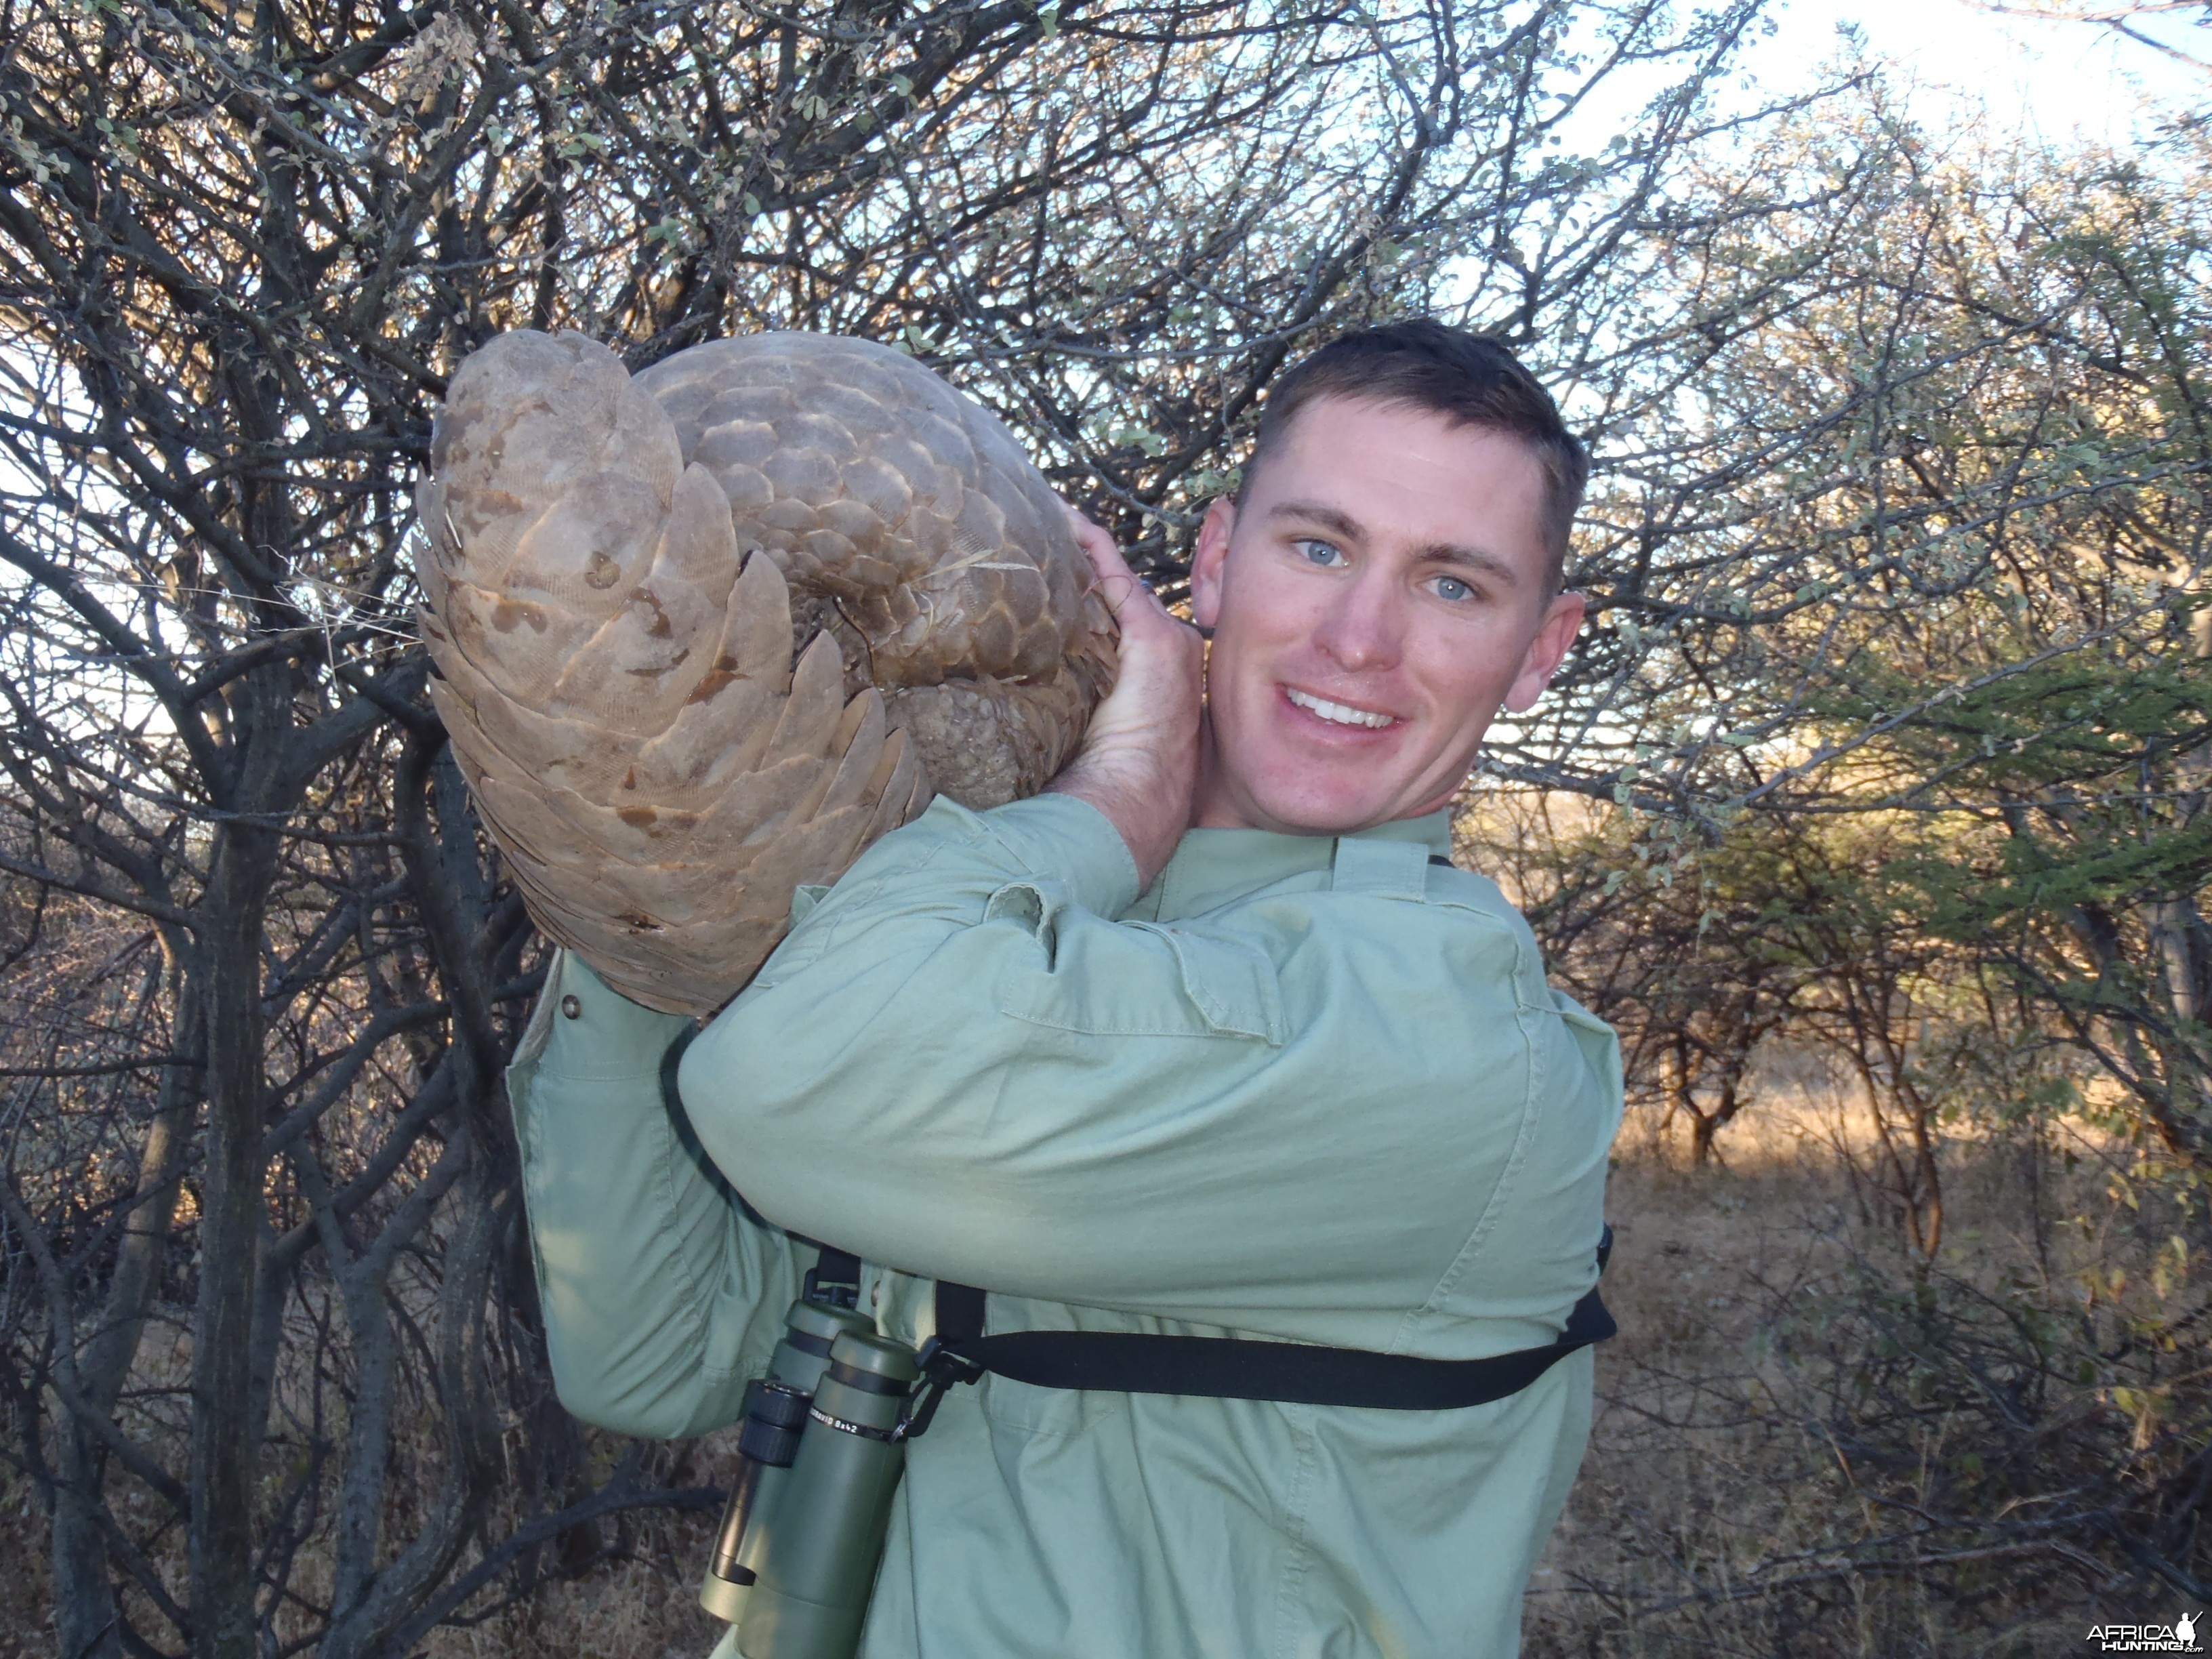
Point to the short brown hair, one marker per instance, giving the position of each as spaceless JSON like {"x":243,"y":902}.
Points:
{"x":1468,"y":379}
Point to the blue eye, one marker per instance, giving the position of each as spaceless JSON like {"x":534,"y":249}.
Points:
{"x":1320,"y":553}
{"x":1452,"y":588}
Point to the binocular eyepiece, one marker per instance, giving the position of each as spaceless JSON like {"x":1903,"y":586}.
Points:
{"x":819,"y":1457}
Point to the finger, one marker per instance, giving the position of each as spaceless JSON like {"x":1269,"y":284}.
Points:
{"x":1098,"y":546}
{"x":1094,"y":536}
{"x":1117,"y":583}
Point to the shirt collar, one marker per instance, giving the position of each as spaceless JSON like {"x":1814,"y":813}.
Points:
{"x":1214,"y":867}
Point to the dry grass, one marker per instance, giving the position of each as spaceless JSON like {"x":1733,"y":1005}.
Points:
{"x":26,"y":1588}
{"x":1716,"y":1514}
{"x":640,"y":1604}
{"x":644,"y":1607}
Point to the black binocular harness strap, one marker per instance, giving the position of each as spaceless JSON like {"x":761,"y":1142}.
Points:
{"x":1226,"y":1368}
{"x":1232,"y":1369}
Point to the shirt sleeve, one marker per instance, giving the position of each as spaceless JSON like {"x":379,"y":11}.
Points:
{"x":961,"y":1066}
{"x":660,"y":1296}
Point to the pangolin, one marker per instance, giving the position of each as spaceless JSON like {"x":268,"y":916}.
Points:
{"x":704,"y":634}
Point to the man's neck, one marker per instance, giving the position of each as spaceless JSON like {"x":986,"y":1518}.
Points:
{"x":1217,"y":804}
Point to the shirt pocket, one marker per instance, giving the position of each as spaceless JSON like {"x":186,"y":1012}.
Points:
{"x":1599,"y":1043}
{"x":1101,"y":978}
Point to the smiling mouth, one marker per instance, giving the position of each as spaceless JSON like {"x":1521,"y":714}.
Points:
{"x":1339,"y":714}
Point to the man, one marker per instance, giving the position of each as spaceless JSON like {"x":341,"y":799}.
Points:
{"x":1208,"y":1039}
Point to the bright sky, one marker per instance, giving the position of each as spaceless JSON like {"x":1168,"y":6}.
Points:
{"x":2053,"y":80}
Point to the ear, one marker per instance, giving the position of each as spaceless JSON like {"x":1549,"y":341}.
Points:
{"x":1208,"y":560}
{"x":1563,"y":620}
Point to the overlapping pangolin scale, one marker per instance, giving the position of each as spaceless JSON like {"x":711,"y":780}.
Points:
{"x":703,"y":635}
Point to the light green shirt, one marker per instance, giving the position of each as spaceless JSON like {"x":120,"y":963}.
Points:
{"x":1303,"y":1088}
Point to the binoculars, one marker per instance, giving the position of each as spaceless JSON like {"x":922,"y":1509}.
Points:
{"x":819,"y":1456}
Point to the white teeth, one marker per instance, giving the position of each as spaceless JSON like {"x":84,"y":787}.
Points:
{"x":1340,"y":713}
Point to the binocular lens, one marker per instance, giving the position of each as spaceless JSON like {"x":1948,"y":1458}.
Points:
{"x":821,"y":1543}
{"x":775,"y":1415}
{"x":769,"y":1439}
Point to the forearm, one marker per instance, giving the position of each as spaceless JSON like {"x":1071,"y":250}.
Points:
{"x":960,"y":1066}
{"x":660,"y":1298}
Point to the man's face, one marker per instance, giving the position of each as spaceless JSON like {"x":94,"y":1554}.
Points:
{"x":1378,"y":596}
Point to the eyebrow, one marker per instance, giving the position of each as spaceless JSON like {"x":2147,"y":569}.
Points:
{"x":1340,"y":523}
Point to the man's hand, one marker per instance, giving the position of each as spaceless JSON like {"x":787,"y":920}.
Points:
{"x":1140,"y":758}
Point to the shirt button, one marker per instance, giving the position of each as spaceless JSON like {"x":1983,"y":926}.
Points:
{"x":572,"y":1006}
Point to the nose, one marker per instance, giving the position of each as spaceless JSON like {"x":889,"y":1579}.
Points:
{"x":1364,"y":629}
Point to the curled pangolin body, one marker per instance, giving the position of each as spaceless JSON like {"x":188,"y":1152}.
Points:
{"x":706,"y":634}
